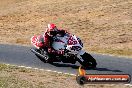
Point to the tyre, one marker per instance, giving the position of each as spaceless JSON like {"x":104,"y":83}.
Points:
{"x":42,"y":59}
{"x":89,"y":61}
{"x":46,"y":58}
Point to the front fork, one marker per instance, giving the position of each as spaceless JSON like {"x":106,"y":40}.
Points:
{"x":80,"y":57}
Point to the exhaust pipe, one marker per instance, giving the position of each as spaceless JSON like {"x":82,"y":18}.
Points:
{"x":34,"y":51}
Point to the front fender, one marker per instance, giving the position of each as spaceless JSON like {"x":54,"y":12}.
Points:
{"x":81,"y":52}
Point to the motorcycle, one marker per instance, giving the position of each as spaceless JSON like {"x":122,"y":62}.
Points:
{"x":72,"y":47}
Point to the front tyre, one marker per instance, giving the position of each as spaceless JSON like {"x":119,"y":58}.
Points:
{"x":89,"y":61}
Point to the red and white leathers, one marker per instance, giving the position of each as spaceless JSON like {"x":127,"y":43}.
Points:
{"x":45,"y":40}
{"x":48,"y":40}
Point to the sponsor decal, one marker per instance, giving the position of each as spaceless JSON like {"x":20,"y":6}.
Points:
{"x":83,"y":78}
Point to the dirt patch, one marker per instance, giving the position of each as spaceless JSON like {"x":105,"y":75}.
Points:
{"x":105,"y":26}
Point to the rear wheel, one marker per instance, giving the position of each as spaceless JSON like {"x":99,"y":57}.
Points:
{"x":42,"y":59}
{"x":48,"y":58}
{"x":89,"y":61}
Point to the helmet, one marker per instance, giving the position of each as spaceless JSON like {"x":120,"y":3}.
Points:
{"x":52,"y":27}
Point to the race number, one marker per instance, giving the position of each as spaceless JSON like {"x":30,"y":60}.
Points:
{"x":72,"y":41}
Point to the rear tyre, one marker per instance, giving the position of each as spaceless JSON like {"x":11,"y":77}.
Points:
{"x":47,"y":59}
{"x":89,"y":61}
{"x":42,"y":59}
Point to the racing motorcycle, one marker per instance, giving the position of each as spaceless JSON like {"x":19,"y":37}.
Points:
{"x":72,"y":47}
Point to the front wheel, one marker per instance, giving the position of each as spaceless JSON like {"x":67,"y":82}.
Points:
{"x":89,"y":61}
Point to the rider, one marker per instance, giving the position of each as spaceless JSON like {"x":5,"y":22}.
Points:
{"x":46,"y":39}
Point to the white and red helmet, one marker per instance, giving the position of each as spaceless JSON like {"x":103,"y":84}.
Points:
{"x":51,"y":27}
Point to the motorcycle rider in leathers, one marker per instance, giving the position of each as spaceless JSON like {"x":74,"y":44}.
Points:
{"x":46,"y":40}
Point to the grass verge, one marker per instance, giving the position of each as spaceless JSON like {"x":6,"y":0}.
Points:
{"x":19,"y":77}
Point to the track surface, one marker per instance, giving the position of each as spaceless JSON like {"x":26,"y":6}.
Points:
{"x":21,"y":55}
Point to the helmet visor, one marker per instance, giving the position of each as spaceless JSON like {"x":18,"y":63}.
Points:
{"x":55,"y":29}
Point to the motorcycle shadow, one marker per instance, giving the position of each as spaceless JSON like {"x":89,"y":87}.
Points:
{"x":76,"y":67}
{"x":105,"y":69}
{"x":65,"y":65}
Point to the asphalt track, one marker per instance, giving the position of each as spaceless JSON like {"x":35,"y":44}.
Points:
{"x":22,"y":56}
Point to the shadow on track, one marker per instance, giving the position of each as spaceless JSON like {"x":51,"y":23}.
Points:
{"x":76,"y":67}
{"x":105,"y":69}
{"x":65,"y":65}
